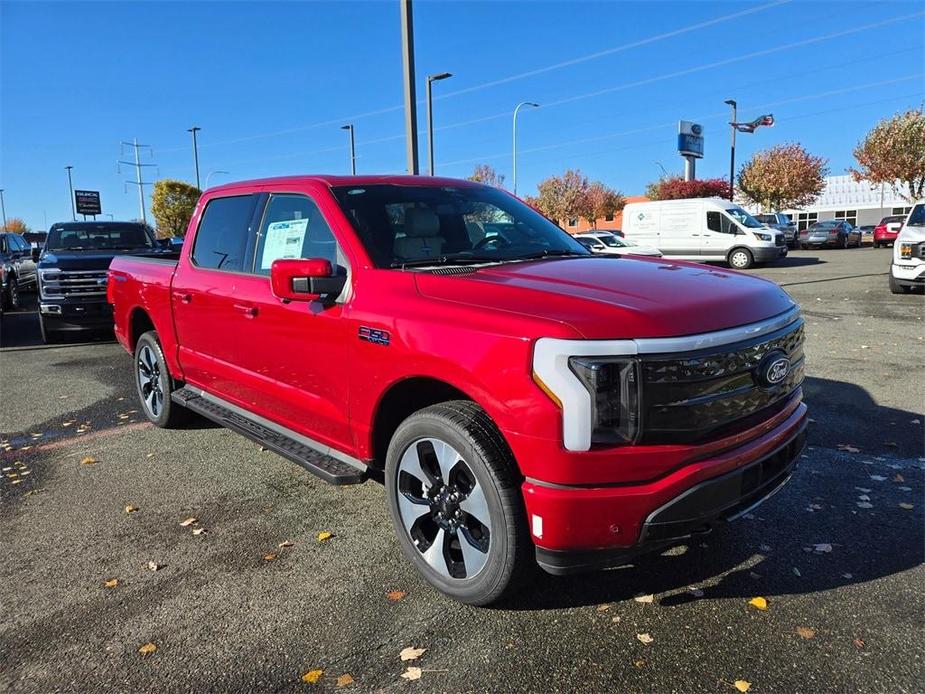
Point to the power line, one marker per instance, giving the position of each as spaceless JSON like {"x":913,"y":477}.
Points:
{"x":140,"y":184}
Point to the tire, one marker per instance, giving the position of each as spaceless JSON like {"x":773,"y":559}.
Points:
{"x":154,"y":384}
{"x":451,"y":479}
{"x":896,"y":287}
{"x":11,"y":300}
{"x":740,"y":259}
{"x":49,"y":337}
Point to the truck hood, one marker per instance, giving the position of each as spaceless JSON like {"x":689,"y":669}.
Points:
{"x":85,"y":260}
{"x":617,"y":296}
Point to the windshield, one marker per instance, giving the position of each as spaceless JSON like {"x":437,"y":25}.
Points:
{"x":744,"y":218}
{"x":430,"y":225}
{"x":80,"y":237}
{"x":917,"y":216}
{"x":609,"y":240}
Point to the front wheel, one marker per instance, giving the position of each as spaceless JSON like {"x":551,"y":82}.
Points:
{"x":454,"y":498}
{"x":741,"y":259}
{"x":48,"y":336}
{"x":154,"y":384}
{"x":11,"y":300}
{"x":896,"y":287}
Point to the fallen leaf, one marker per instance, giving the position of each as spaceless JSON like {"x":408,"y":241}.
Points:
{"x":764,"y":548}
{"x":411,"y":653}
{"x":412,"y":673}
{"x":645,"y":638}
{"x":796,"y":572}
{"x":344,"y":680}
{"x":877,"y":478}
{"x":742,"y":685}
{"x":147,"y":649}
{"x":899,"y":478}
{"x":863,"y":497}
{"x":644,"y":598}
{"x":88,"y":460}
{"x":806,"y":632}
{"x":284,"y":543}
{"x":848,"y":576}
{"x":848,"y":448}
{"x":822,"y":548}
{"x":603,"y":608}
{"x":153,"y":565}
{"x":186,"y":523}
{"x":640,"y":663}
{"x":131,"y":509}
{"x":111,"y":583}
{"x":198,"y":531}
{"x":269,"y":557}
{"x":858,"y":643}
{"x":759,"y":603}
{"x":312,"y":676}
{"x":395,"y":595}
{"x":864,"y":504}
{"x":906,"y":506}
{"x":324,"y":535}
{"x":615,"y":619}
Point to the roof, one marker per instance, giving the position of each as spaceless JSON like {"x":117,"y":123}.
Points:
{"x":843,"y":192}
{"x":335,"y":180}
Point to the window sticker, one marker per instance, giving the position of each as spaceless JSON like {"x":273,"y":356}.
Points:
{"x":284,"y":240}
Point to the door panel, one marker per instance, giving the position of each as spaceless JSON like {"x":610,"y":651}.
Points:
{"x":680,"y":229}
{"x":719,"y":234}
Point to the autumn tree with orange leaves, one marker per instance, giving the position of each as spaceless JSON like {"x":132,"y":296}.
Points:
{"x":783,"y":177}
{"x":894,"y":153}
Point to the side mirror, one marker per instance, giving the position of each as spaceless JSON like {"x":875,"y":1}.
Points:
{"x":304,"y":280}
{"x":36,"y":252}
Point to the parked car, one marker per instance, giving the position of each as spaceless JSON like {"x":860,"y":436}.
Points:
{"x":907,"y":271}
{"x":886,"y":232}
{"x":703,"y":229}
{"x":836,"y":233}
{"x":608,"y":244}
{"x":783,"y":223}
{"x":73,"y":269}
{"x":18,"y":263}
{"x":867,"y":234}
{"x":517,"y":397}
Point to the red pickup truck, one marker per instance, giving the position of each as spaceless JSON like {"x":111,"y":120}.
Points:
{"x":523,"y":401}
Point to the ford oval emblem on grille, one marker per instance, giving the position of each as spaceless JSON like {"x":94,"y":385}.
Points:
{"x":773,"y":369}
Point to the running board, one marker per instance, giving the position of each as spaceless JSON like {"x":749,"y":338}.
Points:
{"x":317,"y":458}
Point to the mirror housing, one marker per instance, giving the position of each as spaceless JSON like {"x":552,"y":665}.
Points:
{"x":300,"y":279}
{"x":36,"y":253}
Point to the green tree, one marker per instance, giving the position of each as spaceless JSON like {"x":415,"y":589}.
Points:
{"x":16,"y":226}
{"x":485,"y":173}
{"x":564,"y":197}
{"x":893,"y":153}
{"x":172,"y":204}
{"x":782,"y":177}
{"x":602,"y":202}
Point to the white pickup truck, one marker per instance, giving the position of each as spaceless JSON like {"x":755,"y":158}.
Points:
{"x":907,"y":270}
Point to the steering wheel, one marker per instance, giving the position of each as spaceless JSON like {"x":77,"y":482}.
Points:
{"x":498,"y":241}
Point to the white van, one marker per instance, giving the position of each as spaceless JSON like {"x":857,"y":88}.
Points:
{"x":907,"y":271}
{"x":703,"y":229}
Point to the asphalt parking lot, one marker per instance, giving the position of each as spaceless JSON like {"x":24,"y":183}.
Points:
{"x":837,"y":554}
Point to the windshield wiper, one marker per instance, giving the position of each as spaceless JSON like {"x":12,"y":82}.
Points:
{"x":552,"y":253}
{"x":445,"y":260}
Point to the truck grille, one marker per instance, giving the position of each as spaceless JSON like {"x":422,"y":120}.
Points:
{"x":67,"y":284}
{"x":779,"y":240}
{"x":696,"y":396}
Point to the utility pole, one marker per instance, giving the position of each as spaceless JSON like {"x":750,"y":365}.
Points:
{"x":514,"y":141}
{"x":411,"y":115}
{"x":194,"y":130}
{"x":732,"y":149}
{"x":138,"y":167}
{"x":353,"y":153}
{"x":430,"y":119}
{"x":70,"y":187}
{"x":3,"y":208}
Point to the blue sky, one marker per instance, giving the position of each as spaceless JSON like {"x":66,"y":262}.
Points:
{"x":270,"y":84}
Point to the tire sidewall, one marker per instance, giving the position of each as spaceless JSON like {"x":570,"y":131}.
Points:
{"x":748,"y":258}
{"x":13,"y":293}
{"x":150,"y":339}
{"x":497,"y":570}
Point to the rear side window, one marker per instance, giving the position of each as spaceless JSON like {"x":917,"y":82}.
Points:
{"x":293,"y":227}
{"x":221,"y":241}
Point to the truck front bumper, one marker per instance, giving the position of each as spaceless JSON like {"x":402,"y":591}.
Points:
{"x":908,"y":273}
{"x":586,"y":528}
{"x":768,"y":254}
{"x":71,"y":316}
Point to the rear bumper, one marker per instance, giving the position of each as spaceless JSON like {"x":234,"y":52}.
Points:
{"x":583,"y":528}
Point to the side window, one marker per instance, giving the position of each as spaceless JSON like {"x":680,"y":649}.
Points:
{"x":293,"y":227}
{"x":714,"y":221}
{"x":221,"y":241}
{"x":18,"y":243}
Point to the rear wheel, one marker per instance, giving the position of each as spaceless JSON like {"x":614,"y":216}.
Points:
{"x":154,"y":384}
{"x":741,"y":258}
{"x":11,"y":300}
{"x":454,"y":497}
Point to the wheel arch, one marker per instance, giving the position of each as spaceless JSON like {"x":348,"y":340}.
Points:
{"x":139,"y":322}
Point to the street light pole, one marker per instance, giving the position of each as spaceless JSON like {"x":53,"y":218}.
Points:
{"x":194,"y":130}
{"x":3,"y":208}
{"x":411,"y":113}
{"x":430,"y":119}
{"x":353,"y":154}
{"x":70,"y":187}
{"x":514,"y":142}
{"x":732,"y":149}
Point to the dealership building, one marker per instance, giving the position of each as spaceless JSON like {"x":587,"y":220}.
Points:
{"x":857,"y":202}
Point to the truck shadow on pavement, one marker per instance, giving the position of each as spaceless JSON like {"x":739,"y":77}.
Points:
{"x":845,"y":517}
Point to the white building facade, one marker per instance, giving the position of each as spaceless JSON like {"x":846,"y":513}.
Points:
{"x":857,"y":202}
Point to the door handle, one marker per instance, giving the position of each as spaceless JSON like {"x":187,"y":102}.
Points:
{"x":184,"y":298}
{"x":248,"y":311}
{"x":695,"y":234}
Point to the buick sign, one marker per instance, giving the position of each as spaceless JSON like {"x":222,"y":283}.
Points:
{"x":773,"y":369}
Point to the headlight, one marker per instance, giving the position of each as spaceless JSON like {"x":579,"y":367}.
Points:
{"x":762,"y":237}
{"x":49,"y":284}
{"x":613,"y":387}
{"x":905,"y":250}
